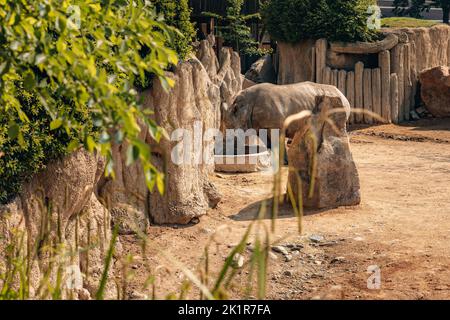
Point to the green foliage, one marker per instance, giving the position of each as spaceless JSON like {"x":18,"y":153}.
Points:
{"x":235,"y":30}
{"x":348,"y":21}
{"x":364,"y":4}
{"x":74,"y":58}
{"x":175,"y":13}
{"x":178,"y":14}
{"x":38,"y":142}
{"x":336,"y":20}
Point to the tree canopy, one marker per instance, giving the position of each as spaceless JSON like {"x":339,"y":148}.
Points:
{"x":336,"y":20}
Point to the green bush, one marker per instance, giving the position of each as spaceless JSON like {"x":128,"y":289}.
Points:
{"x":366,"y":3}
{"x":336,"y":20}
{"x":66,"y":78}
{"x":235,"y":31}
{"x":23,"y":156}
{"x":178,"y":14}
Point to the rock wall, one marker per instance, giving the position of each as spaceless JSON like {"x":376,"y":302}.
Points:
{"x":223,"y":71}
{"x":262,"y":71}
{"x":195,"y":100}
{"x":202,"y":85}
{"x":432,"y":46}
{"x":68,"y":208}
{"x":59,"y":214}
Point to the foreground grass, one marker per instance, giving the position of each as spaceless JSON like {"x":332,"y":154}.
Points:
{"x":405,"y":22}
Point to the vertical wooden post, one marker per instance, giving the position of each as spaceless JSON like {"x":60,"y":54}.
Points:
{"x":359,"y":101}
{"x":397,"y":61}
{"x":407,"y":82}
{"x":367,"y":92}
{"x":321,"y":59}
{"x":376,"y":92}
{"x":350,"y":93}
{"x":313,"y":62}
{"x":414,"y":74}
{"x":394,"y":98}
{"x":204,"y":29}
{"x":326,"y":79}
{"x":342,"y":81}
{"x":384,"y":61}
{"x":334,"y":77}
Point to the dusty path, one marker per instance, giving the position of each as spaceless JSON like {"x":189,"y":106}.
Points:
{"x":402,"y":225}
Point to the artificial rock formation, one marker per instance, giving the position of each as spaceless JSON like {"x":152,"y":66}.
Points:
{"x":435,"y":91}
{"x":207,"y":56}
{"x":431,"y":46}
{"x":262,"y":71}
{"x":224,"y":72}
{"x":202,"y":85}
{"x":193,"y":102}
{"x":59,"y":207}
{"x":72,"y":206}
{"x":126,"y":194}
{"x":336,"y":180}
{"x":390,"y":41}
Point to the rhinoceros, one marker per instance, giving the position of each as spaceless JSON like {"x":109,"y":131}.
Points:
{"x":266,"y":106}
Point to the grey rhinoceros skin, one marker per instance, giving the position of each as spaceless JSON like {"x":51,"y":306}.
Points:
{"x":266,"y":106}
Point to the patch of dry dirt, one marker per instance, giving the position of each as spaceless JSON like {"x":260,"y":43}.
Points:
{"x":402,"y":226}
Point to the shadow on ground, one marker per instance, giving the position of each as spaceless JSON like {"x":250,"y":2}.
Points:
{"x":285,"y":211}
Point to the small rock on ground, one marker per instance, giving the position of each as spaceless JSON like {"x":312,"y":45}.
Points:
{"x":338,"y":260}
{"x":316,"y":238}
{"x":280,"y":249}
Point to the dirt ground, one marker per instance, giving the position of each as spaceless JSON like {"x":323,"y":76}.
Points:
{"x":401,"y":227}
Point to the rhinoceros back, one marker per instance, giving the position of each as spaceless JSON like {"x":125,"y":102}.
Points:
{"x":272,"y":104}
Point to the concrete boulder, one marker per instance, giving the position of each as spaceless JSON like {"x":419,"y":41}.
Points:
{"x":262,"y":71}
{"x":223,"y":71}
{"x":435,"y":91}
{"x":320,"y":158}
{"x":59,"y":206}
{"x":202,"y":84}
{"x":193,"y":102}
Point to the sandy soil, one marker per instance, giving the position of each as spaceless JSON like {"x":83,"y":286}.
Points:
{"x":402,"y":226}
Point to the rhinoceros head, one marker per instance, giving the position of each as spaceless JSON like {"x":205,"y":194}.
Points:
{"x":237,"y":116}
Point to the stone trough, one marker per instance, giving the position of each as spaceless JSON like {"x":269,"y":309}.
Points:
{"x":252,"y":158}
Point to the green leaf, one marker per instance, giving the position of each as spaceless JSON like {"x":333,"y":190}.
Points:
{"x":13,"y":130}
{"x":4,"y":67}
{"x":90,"y":144}
{"x":29,"y":81}
{"x":160,"y":183}
{"x":55,"y":124}
{"x":73,"y":145}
